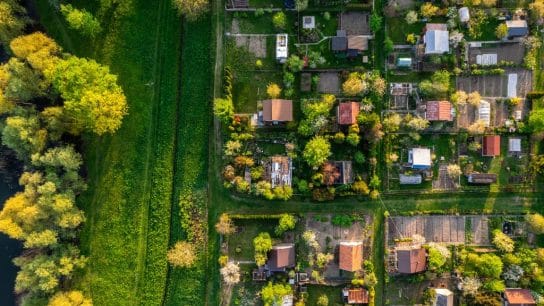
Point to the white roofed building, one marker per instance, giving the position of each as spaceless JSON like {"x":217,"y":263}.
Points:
{"x":484,"y":112}
{"x":464,"y":14}
{"x":282,"y":47}
{"x":420,"y":158}
{"x":436,"y":38}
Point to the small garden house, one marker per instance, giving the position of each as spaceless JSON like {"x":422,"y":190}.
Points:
{"x":484,"y":112}
{"x":415,"y":179}
{"x":339,"y":43}
{"x":404,"y":62}
{"x":517,"y":28}
{"x":439,"y":111}
{"x":482,"y":178}
{"x":411,"y":260}
{"x":282,"y":47}
{"x":518,"y":297}
{"x":436,"y":38}
{"x":444,"y":297}
{"x":514,"y":145}
{"x":464,"y":14}
{"x":279,"y":171}
{"x":308,"y":22}
{"x":277,"y":110}
{"x":282,"y":256}
{"x":350,"y":256}
{"x":355,"y":296}
{"x":491,"y":146}
{"x":420,"y":158}
{"x":347,"y":113}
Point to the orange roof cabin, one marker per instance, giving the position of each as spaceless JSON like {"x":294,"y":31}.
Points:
{"x":355,"y":296}
{"x":518,"y":297}
{"x":438,"y":111}
{"x":491,"y":146}
{"x":282,"y":256}
{"x":347,"y":113}
{"x":351,"y":256}
{"x":411,"y":261}
{"x":277,"y":110}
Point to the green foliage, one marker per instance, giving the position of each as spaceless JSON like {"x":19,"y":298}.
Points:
{"x":287,"y":222}
{"x":301,"y":5}
{"x":24,"y":83}
{"x":262,"y":244}
{"x":280,"y":20}
{"x":13,"y":20}
{"x":388,"y":45}
{"x":375,"y":22}
{"x":272,"y":294}
{"x":502,"y":241}
{"x":223,"y":109}
{"x":536,"y":223}
{"x":536,"y":120}
{"x":436,"y":260}
{"x":81,"y":20}
{"x":317,"y":151}
{"x":438,"y":86}
{"x":295,"y":63}
{"x":494,"y":285}
{"x":25,"y":135}
{"x":191,"y":9}
{"x":359,"y":157}
{"x":342,"y":220}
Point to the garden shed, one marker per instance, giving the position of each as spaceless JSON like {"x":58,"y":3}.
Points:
{"x":491,"y":146}
{"x":420,"y":158}
{"x":438,"y":111}
{"x":282,"y":47}
{"x":436,"y":38}
{"x":355,"y":295}
{"x":514,"y":145}
{"x":444,"y":297}
{"x":404,"y":62}
{"x":464,"y":14}
{"x":347,"y":113}
{"x":517,"y":28}
{"x":484,"y":112}
{"x":518,"y":297}
{"x":308,"y":22}
{"x":282,"y":256}
{"x":350,"y":255}
{"x":277,"y":110}
{"x":411,"y":260}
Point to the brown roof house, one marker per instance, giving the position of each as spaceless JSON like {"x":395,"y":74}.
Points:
{"x":279,"y":170}
{"x":355,"y":296}
{"x":438,"y":111}
{"x":350,"y":256}
{"x":411,"y":261}
{"x":518,"y":297}
{"x":347,"y":113}
{"x":491,"y":145}
{"x":277,"y":110}
{"x":337,"y":173}
{"x":282,"y":256}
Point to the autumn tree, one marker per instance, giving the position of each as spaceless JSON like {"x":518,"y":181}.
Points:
{"x":40,"y":51}
{"x":13,"y":20}
{"x":536,"y":223}
{"x":501,"y":31}
{"x":272,"y":294}
{"x":262,"y":244}
{"x":411,"y":17}
{"x":225,"y":226}
{"x":459,"y":97}
{"x":182,"y":255}
{"x":354,"y":85}
{"x":317,"y":150}
{"x":191,"y":9}
{"x":489,"y":3}
{"x":285,"y":223}
{"x":93,"y":99}
{"x":230,"y":273}
{"x":428,"y":10}
{"x":273,"y":90}
{"x":537,"y":8}
{"x":81,"y":20}
{"x":503,"y":242}
{"x":474,"y":98}
{"x":69,"y":298}
{"x":23,"y":83}
{"x":453,"y":170}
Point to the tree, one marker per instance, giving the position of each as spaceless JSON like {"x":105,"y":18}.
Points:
{"x":13,"y":20}
{"x":46,"y":238}
{"x":93,"y":99}
{"x":537,"y":8}
{"x":388,"y":45}
{"x":295,"y":63}
{"x":454,"y":171}
{"x":81,"y":20}
{"x":280,"y":20}
{"x":23,"y":83}
{"x":477,"y":127}
{"x":411,"y":38}
{"x":536,"y":223}
{"x":63,"y":157}
{"x":489,"y":3}
{"x":182,"y":255}
{"x":286,"y":222}
{"x":317,"y":151}
{"x":69,"y":298}
{"x":272,"y":294}
{"x":354,"y":85}
{"x":494,"y":285}
{"x":501,"y":31}
{"x":418,"y":123}
{"x":536,"y":120}
{"x":470,"y":285}
{"x":230,"y":273}
{"x":223,"y":109}
{"x":360,"y":187}
{"x":438,"y":86}
{"x":323,"y":300}
{"x":191,"y":9}
{"x":428,"y":10}
{"x":40,"y":51}
{"x":459,"y":97}
{"x":225,"y":225}
{"x":411,"y":17}
{"x":474,"y":98}
{"x":375,"y":22}
{"x":262,"y":244}
{"x":24,"y":135}
{"x":503,"y":242}
{"x":273,"y":90}
{"x":301,"y":5}
{"x":436,"y":260}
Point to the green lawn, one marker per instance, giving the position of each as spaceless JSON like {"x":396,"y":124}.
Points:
{"x":130,"y":174}
{"x":333,"y":293}
{"x":398,"y":29}
{"x":243,"y":240}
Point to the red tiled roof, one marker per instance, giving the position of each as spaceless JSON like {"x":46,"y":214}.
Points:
{"x":357,"y":296}
{"x":439,"y":111}
{"x":277,"y":110}
{"x":282,"y":256}
{"x":519,"y":297}
{"x":351,"y":256}
{"x":491,"y":145}
{"x":411,"y":261}
{"x":347,"y":113}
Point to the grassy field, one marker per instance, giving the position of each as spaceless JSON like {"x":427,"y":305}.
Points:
{"x":130,"y":174}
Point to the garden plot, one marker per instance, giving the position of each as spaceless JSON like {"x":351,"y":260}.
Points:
{"x":500,"y":113}
{"x":404,"y":291}
{"x":497,"y":85}
{"x":444,"y":181}
{"x":329,"y":82}
{"x":506,"y":52}
{"x":355,"y":23}
{"x":256,"y":44}
{"x":440,"y":229}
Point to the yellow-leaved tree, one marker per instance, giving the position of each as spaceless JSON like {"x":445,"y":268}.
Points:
{"x":191,"y":9}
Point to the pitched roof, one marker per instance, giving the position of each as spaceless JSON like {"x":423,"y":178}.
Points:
{"x":420,"y":157}
{"x":277,"y":110}
{"x":517,"y":28}
{"x":347,"y":113}
{"x":436,"y":38}
{"x":411,"y":261}
{"x":359,"y":43}
{"x":351,"y":256}
{"x":519,"y":297}
{"x":282,"y":256}
{"x":339,"y":43}
{"x":439,"y":111}
{"x":357,"y":296}
{"x":491,"y":145}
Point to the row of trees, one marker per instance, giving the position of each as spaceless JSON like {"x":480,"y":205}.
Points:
{"x":45,"y":95}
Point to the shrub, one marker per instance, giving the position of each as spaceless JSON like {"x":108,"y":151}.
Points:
{"x":182,"y":255}
{"x":342,"y":220}
{"x":280,"y":21}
